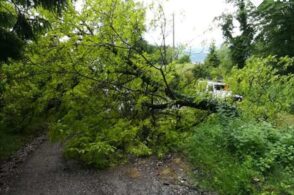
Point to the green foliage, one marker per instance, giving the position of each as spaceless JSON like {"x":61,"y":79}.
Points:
{"x":245,"y":156}
{"x":212,"y":59}
{"x":242,"y":156}
{"x":240,"y":45}
{"x":21,"y":21}
{"x":224,"y":55}
{"x":93,"y":152}
{"x":184,"y":59}
{"x":201,"y":72}
{"x":101,"y":142}
{"x":11,"y":46}
{"x":276,"y":24}
{"x":94,"y":88}
{"x":21,"y":104}
{"x":11,"y":141}
{"x":9,"y":144}
{"x":266,"y":93}
{"x":217,"y":64}
{"x":265,"y":30}
{"x":111,"y":143}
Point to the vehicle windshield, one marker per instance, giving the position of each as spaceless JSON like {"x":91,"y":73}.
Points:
{"x":219,"y":87}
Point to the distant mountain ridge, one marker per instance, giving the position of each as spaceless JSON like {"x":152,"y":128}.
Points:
{"x":197,"y":55}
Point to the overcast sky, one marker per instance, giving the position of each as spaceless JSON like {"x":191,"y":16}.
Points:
{"x":194,"y":24}
{"x":194,"y":21}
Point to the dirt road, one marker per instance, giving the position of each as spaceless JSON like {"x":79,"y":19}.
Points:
{"x":46,"y":172}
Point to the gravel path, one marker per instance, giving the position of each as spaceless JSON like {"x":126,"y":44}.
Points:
{"x":46,"y":172}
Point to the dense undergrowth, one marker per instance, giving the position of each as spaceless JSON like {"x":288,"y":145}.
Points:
{"x":243,"y":156}
{"x":12,"y":139}
{"x":252,"y":152}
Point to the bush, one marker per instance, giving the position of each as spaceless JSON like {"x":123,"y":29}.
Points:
{"x":265,"y":92}
{"x":242,"y":156}
{"x":200,"y":71}
{"x":184,"y":59}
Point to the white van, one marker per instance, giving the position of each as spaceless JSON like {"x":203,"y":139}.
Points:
{"x":221,"y":90}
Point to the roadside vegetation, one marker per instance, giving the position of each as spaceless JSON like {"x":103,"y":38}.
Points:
{"x":90,"y":80}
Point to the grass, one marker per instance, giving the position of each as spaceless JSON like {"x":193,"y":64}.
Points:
{"x":220,"y":170}
{"x":244,"y":157}
{"x":285,"y":119}
{"x":11,"y":142}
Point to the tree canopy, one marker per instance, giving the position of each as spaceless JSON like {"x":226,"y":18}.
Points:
{"x":21,"y":21}
{"x":240,"y":45}
{"x":276,"y":29}
{"x":264,"y":30}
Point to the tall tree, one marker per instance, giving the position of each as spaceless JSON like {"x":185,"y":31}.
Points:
{"x":212,"y":58}
{"x":277,"y":27}
{"x":240,"y":45}
{"x":224,"y":54}
{"x":276,"y":24}
{"x":20,"y":21}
